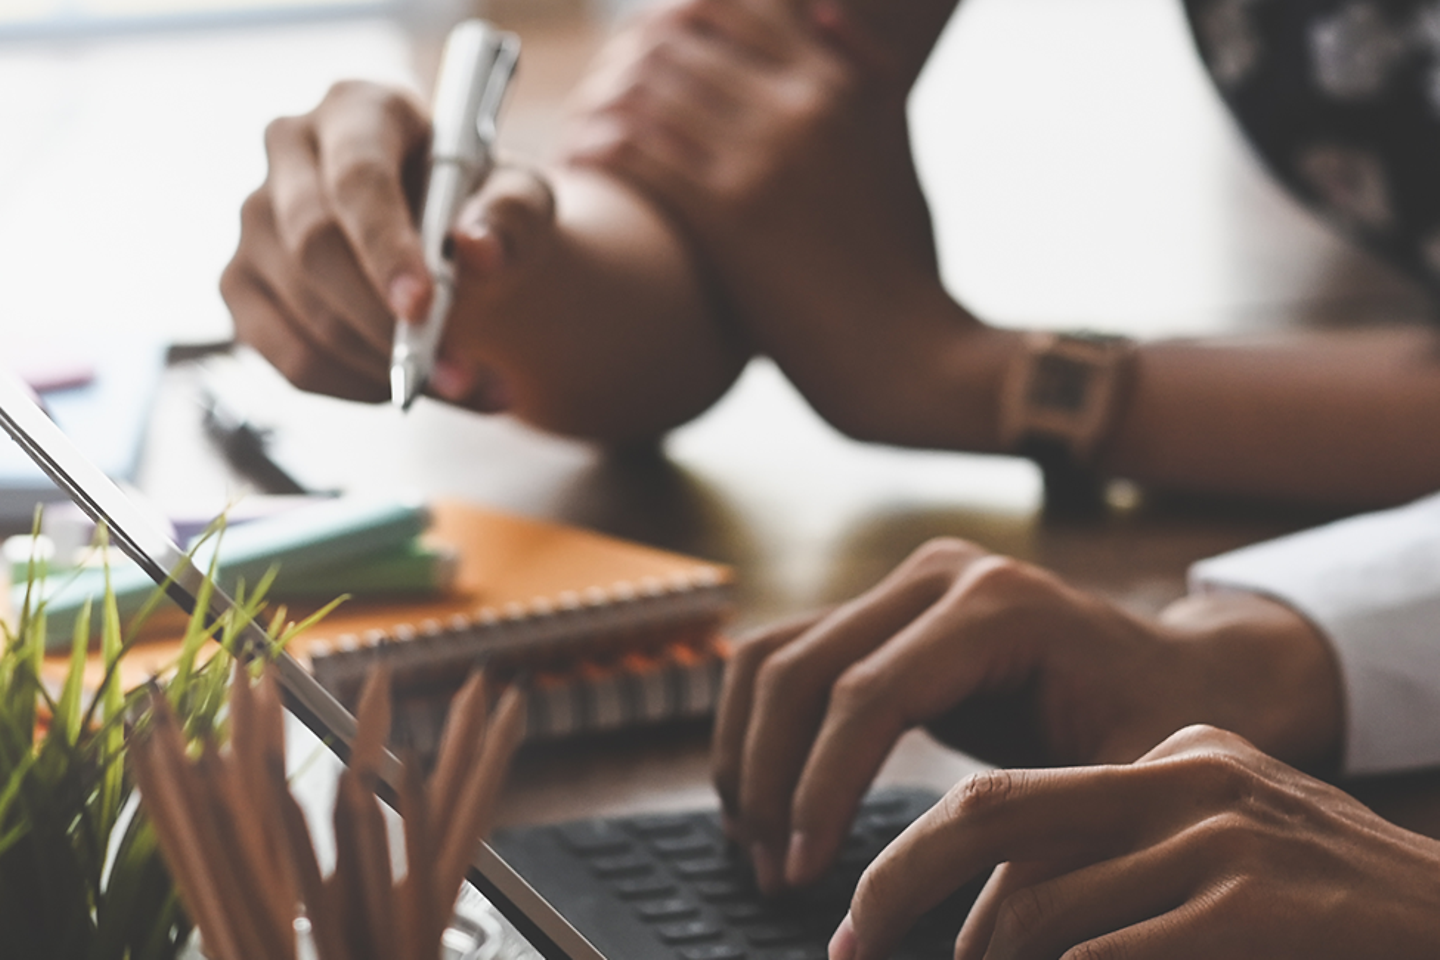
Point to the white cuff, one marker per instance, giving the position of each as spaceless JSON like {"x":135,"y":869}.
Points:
{"x":1371,"y":585}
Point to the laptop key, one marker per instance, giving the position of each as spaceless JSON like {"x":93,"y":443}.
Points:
{"x":671,"y":908}
{"x":594,"y":837}
{"x":662,"y":825}
{"x":712,"y":951}
{"x":686,"y":845}
{"x":689,"y":931}
{"x":706,"y":868}
{"x":721,"y":890}
{"x":643,"y":888}
{"x":621,"y":865}
{"x":774,"y":934}
{"x":747,"y":911}
{"x":806,"y":952}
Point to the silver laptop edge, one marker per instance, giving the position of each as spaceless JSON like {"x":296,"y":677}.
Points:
{"x":167,"y":564}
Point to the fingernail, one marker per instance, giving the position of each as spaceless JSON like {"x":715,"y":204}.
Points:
{"x":842,"y":944}
{"x":767,"y":868}
{"x":476,"y":387}
{"x":797,"y":860}
{"x":451,"y":381}
{"x":406,"y":293}
{"x":484,"y":249}
{"x":492,"y":396}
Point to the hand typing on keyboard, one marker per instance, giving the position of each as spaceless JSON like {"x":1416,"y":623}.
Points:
{"x":1007,"y":662}
{"x":1206,"y":847}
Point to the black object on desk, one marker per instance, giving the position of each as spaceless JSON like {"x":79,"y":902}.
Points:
{"x":246,"y":447}
{"x":670,"y":887}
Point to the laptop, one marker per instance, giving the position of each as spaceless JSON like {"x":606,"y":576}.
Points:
{"x":662,"y":887}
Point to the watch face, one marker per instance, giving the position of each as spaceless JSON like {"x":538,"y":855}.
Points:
{"x":1060,"y":383}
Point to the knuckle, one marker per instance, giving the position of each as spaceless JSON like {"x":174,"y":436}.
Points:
{"x":1005,"y":576}
{"x":282,"y":133}
{"x":1227,"y":837}
{"x":311,"y":232}
{"x":814,"y":101}
{"x":746,"y":187}
{"x":1203,"y":735}
{"x":1242,"y":896}
{"x":400,"y":111}
{"x":841,"y":83}
{"x":302,"y":366}
{"x":346,"y":92}
{"x":521,"y":201}
{"x":876,"y":890}
{"x":625,"y":107}
{"x":619,"y":150}
{"x":329,"y":330}
{"x":859,"y":691}
{"x":232,"y":281}
{"x":697,"y":13}
{"x":749,"y":655}
{"x":979,"y":794}
{"x":664,"y":22}
{"x":943,"y":554}
{"x":256,"y":213}
{"x":1023,"y":915}
{"x":1222,"y":777}
{"x":361,"y":176}
{"x":1093,"y":950}
{"x":809,"y":104}
{"x":781,"y":675}
{"x":725,"y":774}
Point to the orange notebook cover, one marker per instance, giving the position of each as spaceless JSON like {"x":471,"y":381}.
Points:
{"x":527,"y":593}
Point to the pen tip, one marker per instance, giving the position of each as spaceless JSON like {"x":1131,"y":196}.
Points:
{"x":404,"y":386}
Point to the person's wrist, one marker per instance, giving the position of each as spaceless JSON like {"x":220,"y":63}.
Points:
{"x":1266,"y":673}
{"x":956,"y":375}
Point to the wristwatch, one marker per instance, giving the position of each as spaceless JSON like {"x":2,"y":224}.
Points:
{"x":1059,"y":402}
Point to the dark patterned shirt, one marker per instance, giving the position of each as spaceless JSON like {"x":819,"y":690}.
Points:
{"x":1341,"y":98}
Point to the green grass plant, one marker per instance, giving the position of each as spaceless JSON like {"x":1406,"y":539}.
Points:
{"x":81,"y":875}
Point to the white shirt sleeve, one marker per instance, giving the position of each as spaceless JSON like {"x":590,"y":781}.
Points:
{"x":1371,"y":585}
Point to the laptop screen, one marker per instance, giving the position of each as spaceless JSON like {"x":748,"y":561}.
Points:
{"x":530,"y":915}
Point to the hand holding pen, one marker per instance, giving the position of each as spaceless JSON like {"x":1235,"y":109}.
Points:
{"x":330,"y":253}
{"x":475,"y":70}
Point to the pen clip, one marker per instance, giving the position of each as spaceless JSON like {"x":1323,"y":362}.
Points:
{"x":502,"y":71}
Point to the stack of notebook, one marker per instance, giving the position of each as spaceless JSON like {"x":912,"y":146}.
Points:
{"x":605,"y":633}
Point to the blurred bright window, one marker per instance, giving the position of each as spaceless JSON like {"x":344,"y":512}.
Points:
{"x":48,"y":18}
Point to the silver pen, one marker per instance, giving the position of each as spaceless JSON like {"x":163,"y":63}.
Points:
{"x":475,"y":70}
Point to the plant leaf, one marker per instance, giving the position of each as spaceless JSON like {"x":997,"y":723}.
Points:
{"x":67,"y":711}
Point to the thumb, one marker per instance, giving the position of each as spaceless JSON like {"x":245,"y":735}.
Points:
{"x":509,"y":222}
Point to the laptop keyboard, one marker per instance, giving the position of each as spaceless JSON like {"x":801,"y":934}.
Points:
{"x":670,"y":887}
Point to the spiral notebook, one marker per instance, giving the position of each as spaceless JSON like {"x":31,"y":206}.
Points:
{"x":608,"y":633}
{"x":526,"y":593}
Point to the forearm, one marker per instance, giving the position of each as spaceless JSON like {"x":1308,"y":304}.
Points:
{"x":1341,"y":418}
{"x":919,"y":371}
{"x":618,"y":338}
